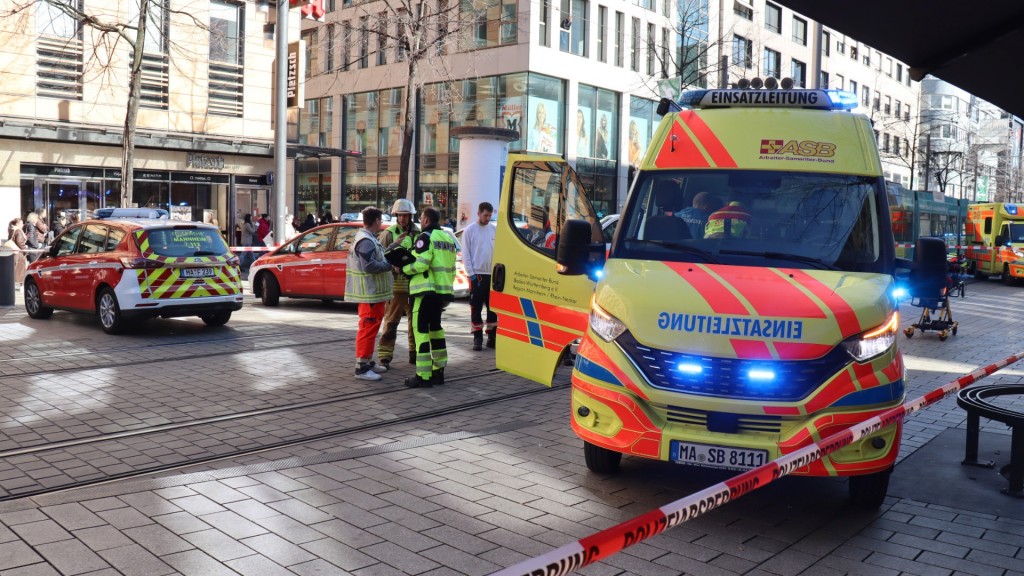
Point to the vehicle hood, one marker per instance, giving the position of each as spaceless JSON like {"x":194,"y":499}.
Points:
{"x":742,"y":311}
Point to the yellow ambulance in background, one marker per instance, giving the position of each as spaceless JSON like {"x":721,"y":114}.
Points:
{"x":995,"y":237}
{"x":724,"y":345}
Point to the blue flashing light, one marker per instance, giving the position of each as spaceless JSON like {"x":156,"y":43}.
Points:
{"x":1011,"y":209}
{"x":691,"y":98}
{"x":688,"y":368}
{"x":842,"y":100}
{"x":899,"y":292}
{"x":761,"y":375}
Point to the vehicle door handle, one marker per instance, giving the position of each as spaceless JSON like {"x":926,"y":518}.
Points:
{"x":498,"y":278}
{"x":316,"y":260}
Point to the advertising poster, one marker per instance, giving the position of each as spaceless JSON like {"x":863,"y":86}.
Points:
{"x":181,"y":213}
{"x":604,"y":136}
{"x":542,"y":135}
{"x":637,"y":139}
{"x":512,"y":114}
{"x":583,"y":129}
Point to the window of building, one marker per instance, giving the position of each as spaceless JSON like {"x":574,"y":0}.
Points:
{"x":382,"y":39}
{"x":620,"y":38}
{"x":565,"y":26}
{"x":634,"y":61}
{"x":773,"y":17}
{"x":896,"y":145}
{"x":742,"y":52}
{"x":401,"y":37}
{"x":885,"y":142}
{"x":840,"y":81}
{"x":841,"y":45}
{"x":823,"y":80}
{"x":652,"y":48}
{"x":898,"y":110}
{"x":227,"y":48}
{"x":602,"y":33}
{"x":346,"y":44}
{"x":59,"y":52}
{"x":772,"y":63}
{"x":155,"y":73}
{"x":853,"y":86}
{"x":888,"y":105}
{"x":800,"y":31}
{"x":329,"y":63}
{"x":899,"y":72}
{"x":798,"y":72}
{"x":316,"y":122}
{"x":826,"y":43}
{"x":309,"y":38}
{"x":906,"y":115}
{"x":441,"y":41}
{"x":545,"y":19}
{"x":866,"y":58}
{"x":742,"y":10}
{"x":666,"y":39}
{"x":865,"y":96}
{"x":877,"y":102}
{"x":364,"y":42}
{"x":493,"y":22}
{"x":888,"y":66}
{"x":853,"y":52}
{"x":579,"y":40}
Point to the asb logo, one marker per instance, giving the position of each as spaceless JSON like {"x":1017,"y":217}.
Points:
{"x":797,"y":148}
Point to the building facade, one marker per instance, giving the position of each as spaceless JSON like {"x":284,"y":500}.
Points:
{"x":204,"y":134}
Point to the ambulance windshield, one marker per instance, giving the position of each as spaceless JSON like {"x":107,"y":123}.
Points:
{"x":757,"y":218}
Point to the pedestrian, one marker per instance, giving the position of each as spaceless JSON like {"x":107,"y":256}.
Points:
{"x":477,"y":253}
{"x":60,"y":222}
{"x":33,"y":240}
{"x":368,"y":283}
{"x":42,"y":227}
{"x":432,"y":277}
{"x":16,"y":235}
{"x":309,"y":224}
{"x":293,"y":226}
{"x":401,"y":233}
{"x":262,"y":229}
{"x":249,"y":229}
{"x":328,"y":217}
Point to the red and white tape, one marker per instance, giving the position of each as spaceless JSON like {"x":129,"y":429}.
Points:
{"x":603,"y":544}
{"x":251,"y":248}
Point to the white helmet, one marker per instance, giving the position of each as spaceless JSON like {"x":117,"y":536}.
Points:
{"x":403,"y":206}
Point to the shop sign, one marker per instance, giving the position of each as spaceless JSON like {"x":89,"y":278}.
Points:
{"x":204,"y":161}
{"x":199,"y":178}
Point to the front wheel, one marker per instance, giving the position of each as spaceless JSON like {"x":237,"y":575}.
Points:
{"x":868,"y":491}
{"x":34,"y":301}
{"x":601,"y":460}
{"x":109,"y":312}
{"x":271,"y":293}
{"x":217,"y":318}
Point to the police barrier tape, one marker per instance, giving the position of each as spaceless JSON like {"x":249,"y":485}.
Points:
{"x":956,"y":247}
{"x":603,"y":544}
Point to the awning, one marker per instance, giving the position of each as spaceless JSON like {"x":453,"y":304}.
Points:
{"x":975,"y":46}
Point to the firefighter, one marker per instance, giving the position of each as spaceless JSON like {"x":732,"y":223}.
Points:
{"x":431,"y":285}
{"x":403,"y":232}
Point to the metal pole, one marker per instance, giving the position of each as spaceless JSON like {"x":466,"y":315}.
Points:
{"x":281,"y":122}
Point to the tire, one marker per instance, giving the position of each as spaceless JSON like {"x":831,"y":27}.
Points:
{"x":601,"y":460}
{"x":271,"y":293}
{"x":868,"y":491}
{"x":954,"y":330}
{"x":34,"y":301}
{"x":217,"y":318}
{"x":109,"y":312}
{"x":1008,"y":280}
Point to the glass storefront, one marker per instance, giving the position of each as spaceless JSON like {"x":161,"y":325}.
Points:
{"x":594,"y":139}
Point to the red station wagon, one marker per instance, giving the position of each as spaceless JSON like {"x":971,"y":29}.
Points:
{"x":135,"y":263}
{"x":312,"y":265}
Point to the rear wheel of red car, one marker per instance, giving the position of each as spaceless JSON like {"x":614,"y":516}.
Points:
{"x":34,"y":301}
{"x":217,"y":318}
{"x":271,"y":293}
{"x":109,"y":312}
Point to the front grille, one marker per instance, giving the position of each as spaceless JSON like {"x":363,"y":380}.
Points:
{"x":733,"y":423}
{"x":729,"y":377}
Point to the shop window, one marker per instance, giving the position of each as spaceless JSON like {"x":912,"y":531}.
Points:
{"x":59,"y":52}
{"x":227,"y":48}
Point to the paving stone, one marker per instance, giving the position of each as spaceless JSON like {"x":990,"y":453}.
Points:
{"x":318,"y":567}
{"x":102,"y":537}
{"x":195,"y":562}
{"x":404,"y":537}
{"x":181,"y":522}
{"x":233,"y":525}
{"x":300,"y":511}
{"x":339,"y":554}
{"x":289,"y":529}
{"x":197,"y":505}
{"x":42,"y":569}
{"x":279,"y":550}
{"x":17,"y":553}
{"x":71,"y":557}
{"x":400,"y":558}
{"x":124,"y":518}
{"x":218,"y":492}
{"x":43,"y":532}
{"x":257,"y":565}
{"x":134,"y":560}
{"x":157,"y":539}
{"x":218,"y":544}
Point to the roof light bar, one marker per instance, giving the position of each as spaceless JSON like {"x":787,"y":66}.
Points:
{"x":816,"y":99}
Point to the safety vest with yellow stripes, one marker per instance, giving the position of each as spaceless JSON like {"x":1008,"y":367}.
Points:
{"x":734,"y":216}
{"x":387,"y":237}
{"x":361,"y":285}
{"x":434,"y":268}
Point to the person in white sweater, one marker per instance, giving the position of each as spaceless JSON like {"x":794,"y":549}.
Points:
{"x":477,"y":253}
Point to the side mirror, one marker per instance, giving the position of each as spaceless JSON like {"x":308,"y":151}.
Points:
{"x":1000,"y":240}
{"x":576,"y":254}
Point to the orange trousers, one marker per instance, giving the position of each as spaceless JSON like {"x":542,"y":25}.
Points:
{"x":370,"y":316}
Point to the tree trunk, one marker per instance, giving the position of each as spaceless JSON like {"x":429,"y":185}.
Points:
{"x":132,"y":114}
{"x":405,"y":187}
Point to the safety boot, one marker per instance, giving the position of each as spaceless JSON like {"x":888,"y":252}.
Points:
{"x":490,"y":338}
{"x":478,"y":341}
{"x":416,"y":382}
{"x":437,"y":377}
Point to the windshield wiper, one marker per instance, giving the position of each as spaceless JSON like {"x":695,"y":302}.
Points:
{"x":682,"y":248}
{"x":783,"y":256}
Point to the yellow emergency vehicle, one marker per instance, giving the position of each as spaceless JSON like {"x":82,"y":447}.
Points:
{"x":730,"y":342}
{"x":995,"y":233}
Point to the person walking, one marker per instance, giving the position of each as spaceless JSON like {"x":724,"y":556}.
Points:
{"x":368,"y":283}
{"x":248,"y":240}
{"x":402,"y":233}
{"x":432,"y":276}
{"x":33,"y":241}
{"x":477,"y":253}
{"x":262,"y":229}
{"x":16,"y":235}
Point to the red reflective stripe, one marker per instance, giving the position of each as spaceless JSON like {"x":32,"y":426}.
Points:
{"x":846,"y":318}
{"x":773,"y":294}
{"x":714,"y":293}
{"x":679,"y":151}
{"x":559,"y":338}
{"x":507,"y":303}
{"x":563,"y":317}
{"x":751,"y":349}
{"x":719,"y":155}
{"x":866,"y":376}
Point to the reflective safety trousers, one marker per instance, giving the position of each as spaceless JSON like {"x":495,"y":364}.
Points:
{"x":434,"y":268}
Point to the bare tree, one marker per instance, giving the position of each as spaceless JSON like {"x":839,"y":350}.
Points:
{"x":688,"y":57}
{"x":148,"y":22}
{"x":420,"y":35}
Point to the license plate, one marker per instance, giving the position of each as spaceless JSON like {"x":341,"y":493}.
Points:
{"x":197,"y":272}
{"x":718,"y":456}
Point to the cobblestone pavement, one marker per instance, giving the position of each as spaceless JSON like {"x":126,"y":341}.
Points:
{"x":409,"y":482}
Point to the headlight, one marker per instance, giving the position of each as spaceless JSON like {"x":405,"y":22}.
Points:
{"x":874,"y":342}
{"x":604,"y":324}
